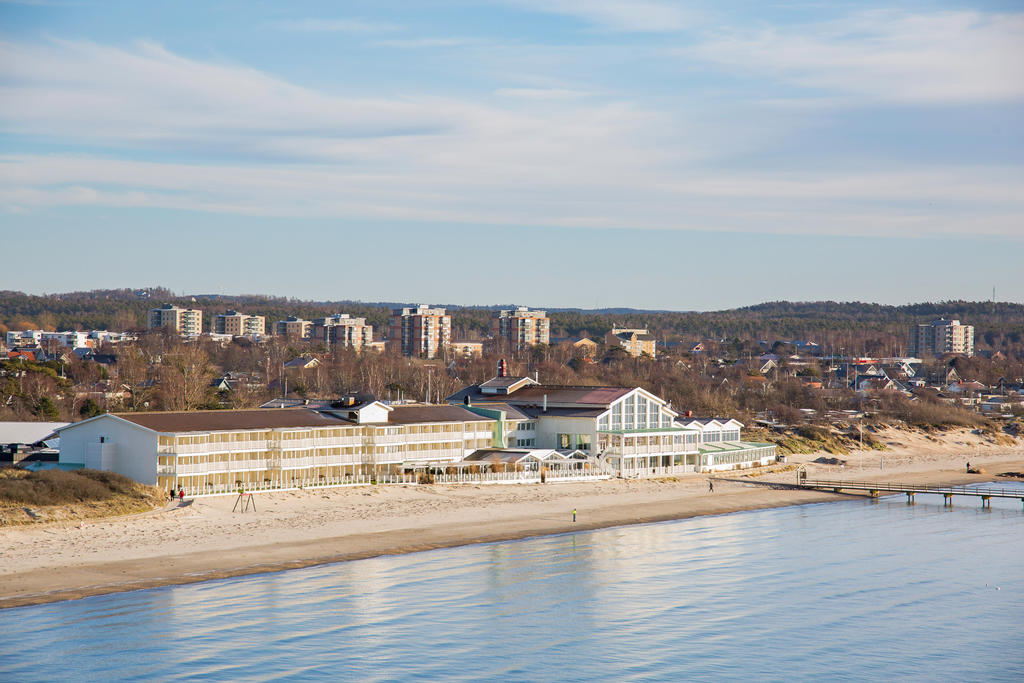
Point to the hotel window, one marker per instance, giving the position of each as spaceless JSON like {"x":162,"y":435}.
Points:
{"x":629,"y":408}
{"x":583,"y":442}
{"x":563,"y":441}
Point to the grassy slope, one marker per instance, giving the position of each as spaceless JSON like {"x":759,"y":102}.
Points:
{"x":55,"y":495}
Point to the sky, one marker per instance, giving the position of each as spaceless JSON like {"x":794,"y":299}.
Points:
{"x":553,"y":153}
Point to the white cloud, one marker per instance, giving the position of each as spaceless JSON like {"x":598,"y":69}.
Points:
{"x":642,"y":16}
{"x":414,"y":43}
{"x":886,"y":55}
{"x":528,"y":158}
{"x":337,"y":26}
{"x":542,"y":93}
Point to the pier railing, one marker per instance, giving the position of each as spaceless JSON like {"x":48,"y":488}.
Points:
{"x":896,"y":487}
{"x":874,"y":488}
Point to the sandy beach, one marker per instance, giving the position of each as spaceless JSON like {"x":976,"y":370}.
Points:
{"x":204,"y":539}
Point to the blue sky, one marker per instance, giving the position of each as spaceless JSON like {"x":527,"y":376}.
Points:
{"x":645,"y":153}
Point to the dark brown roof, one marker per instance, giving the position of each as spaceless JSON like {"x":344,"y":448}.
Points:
{"x":511,"y":412}
{"x":575,"y":396}
{"x":227,"y":420}
{"x":415,"y":414}
{"x":567,"y":394}
{"x":537,"y":411}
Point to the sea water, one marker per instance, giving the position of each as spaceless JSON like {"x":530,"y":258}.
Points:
{"x":853,"y":590}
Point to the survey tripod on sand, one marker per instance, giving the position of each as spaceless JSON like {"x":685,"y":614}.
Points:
{"x":244,"y":502}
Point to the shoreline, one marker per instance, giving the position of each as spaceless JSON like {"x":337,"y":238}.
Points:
{"x":299,"y":529}
{"x":359,"y":547}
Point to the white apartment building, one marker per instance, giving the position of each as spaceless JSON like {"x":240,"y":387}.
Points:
{"x":521,"y":327}
{"x":239,"y":324}
{"x":23,"y":338}
{"x":185,"y":321}
{"x":69,"y":339}
{"x":343,"y":330}
{"x":940,"y":337}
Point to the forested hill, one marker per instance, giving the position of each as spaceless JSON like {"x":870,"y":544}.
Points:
{"x":821,"y":321}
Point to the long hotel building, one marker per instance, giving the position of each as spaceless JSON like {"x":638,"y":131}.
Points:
{"x":626,"y":431}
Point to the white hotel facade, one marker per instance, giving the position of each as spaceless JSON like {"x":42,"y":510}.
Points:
{"x":617,"y":431}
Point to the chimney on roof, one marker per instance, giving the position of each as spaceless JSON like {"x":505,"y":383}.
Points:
{"x":467,"y":401}
{"x":689,"y":413}
{"x":502,"y":368}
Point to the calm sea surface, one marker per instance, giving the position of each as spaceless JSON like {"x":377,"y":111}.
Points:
{"x":854,"y":590}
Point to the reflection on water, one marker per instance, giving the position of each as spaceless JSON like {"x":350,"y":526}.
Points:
{"x":850,"y":590}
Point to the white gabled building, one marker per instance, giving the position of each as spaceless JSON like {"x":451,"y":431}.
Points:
{"x":630,"y":429}
{"x":633,"y":431}
{"x":721,"y":448}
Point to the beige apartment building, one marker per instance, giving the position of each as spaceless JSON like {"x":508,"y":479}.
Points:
{"x":521,"y":327}
{"x":420,"y":331}
{"x":343,"y":330}
{"x":636,"y":342}
{"x":467,"y":349}
{"x":239,"y":324}
{"x":942,"y":336}
{"x":185,"y":321}
{"x":293,"y":328}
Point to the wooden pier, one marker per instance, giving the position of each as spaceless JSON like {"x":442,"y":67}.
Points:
{"x":874,"y":488}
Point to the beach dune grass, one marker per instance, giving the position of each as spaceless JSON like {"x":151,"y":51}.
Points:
{"x":48,"y":495}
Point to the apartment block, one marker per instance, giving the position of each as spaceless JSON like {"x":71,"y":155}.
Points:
{"x":636,"y":342}
{"x":467,"y":349}
{"x":940,"y":337}
{"x":521,"y":327}
{"x":343,"y":330}
{"x":420,"y":331}
{"x":239,"y":324}
{"x":184,"y":321}
{"x":293,"y":328}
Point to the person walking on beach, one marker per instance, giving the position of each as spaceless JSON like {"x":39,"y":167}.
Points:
{"x":181,"y":495}
{"x":711,"y":486}
{"x":574,"y":514}
{"x":968,"y":468}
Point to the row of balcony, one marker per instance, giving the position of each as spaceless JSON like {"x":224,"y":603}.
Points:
{"x":656,"y":449}
{"x":260,"y":464}
{"x":325,"y":442}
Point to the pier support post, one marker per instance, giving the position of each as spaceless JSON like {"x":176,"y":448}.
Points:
{"x":910,"y":497}
{"x":986,"y":501}
{"x":947,"y":499}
